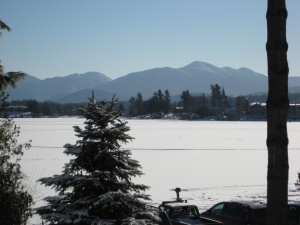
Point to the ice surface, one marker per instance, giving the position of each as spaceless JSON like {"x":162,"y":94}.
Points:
{"x":210,"y":161}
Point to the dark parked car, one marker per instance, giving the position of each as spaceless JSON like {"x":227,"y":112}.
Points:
{"x":248,"y":212}
{"x":238,"y":213}
{"x":185,"y":213}
{"x":179,"y":212}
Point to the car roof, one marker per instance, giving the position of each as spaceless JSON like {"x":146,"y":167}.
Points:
{"x":250,"y":204}
{"x":258,"y":204}
{"x":178,"y":204}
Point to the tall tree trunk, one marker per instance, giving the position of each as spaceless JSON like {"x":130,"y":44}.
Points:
{"x":277,"y":110}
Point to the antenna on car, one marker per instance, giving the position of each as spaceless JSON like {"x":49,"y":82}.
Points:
{"x":178,"y":199}
{"x":177,"y":190}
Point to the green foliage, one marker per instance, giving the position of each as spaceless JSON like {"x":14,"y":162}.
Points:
{"x":3,"y":26}
{"x":159,"y":103}
{"x":136,"y":104}
{"x":15,"y":201}
{"x":10,"y":78}
{"x":121,"y":108}
{"x":216,"y":95}
{"x":97,"y":184}
{"x":47,"y":108}
{"x":186,"y":99}
{"x":219,"y":100}
{"x":241,"y":104}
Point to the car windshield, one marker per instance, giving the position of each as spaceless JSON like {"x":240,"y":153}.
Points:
{"x":185,"y":211}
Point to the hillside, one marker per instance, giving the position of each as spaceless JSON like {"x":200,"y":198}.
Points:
{"x":56,"y":87}
{"x":195,"y":77}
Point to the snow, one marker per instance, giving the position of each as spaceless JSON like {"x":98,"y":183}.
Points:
{"x":210,"y":161}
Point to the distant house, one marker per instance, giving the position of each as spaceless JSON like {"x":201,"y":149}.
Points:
{"x":294,"y":111}
{"x":18,"y":111}
{"x":258,"y":111}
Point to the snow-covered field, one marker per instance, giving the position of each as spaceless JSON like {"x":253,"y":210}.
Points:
{"x":210,"y":161}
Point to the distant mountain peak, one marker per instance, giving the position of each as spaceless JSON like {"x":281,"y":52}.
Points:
{"x":196,"y":77}
{"x":198,"y":64}
{"x":203,"y":66}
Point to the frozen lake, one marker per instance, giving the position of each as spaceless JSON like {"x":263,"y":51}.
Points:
{"x":210,"y":161}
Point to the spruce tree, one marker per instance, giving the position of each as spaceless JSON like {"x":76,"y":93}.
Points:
{"x":96,"y":184}
{"x":15,"y":201}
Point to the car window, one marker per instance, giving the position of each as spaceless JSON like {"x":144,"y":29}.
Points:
{"x":228,"y":210}
{"x":192,"y":211}
{"x":196,"y":211}
{"x":185,"y":212}
{"x":162,"y":208}
{"x":217,"y":210}
{"x":241,"y":213}
{"x":235,"y":211}
{"x":165,"y":208}
{"x":177,"y":212}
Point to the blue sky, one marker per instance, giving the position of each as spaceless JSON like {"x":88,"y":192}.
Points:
{"x":116,"y":37}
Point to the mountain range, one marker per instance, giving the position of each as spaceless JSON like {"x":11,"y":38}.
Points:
{"x":195,"y":77}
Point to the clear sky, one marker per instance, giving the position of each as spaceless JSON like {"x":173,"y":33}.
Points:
{"x":116,"y":37}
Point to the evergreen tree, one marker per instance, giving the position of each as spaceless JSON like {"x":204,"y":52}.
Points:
{"x":121,"y":108}
{"x":167,"y":102}
{"x":139,"y":103}
{"x":224,"y":99}
{"x":241,"y":104}
{"x":15,"y":201}
{"x":3,"y":26}
{"x":186,"y":100}
{"x":96,"y":184}
{"x":202,"y":107}
{"x":216,"y":95}
{"x":33,"y":106}
{"x":161,"y":101}
{"x":132,"y":109}
{"x":10,"y":78}
{"x":152,"y":105}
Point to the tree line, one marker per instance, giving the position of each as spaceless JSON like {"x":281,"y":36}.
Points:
{"x":45,"y":109}
{"x":160,"y":103}
{"x":215,"y":104}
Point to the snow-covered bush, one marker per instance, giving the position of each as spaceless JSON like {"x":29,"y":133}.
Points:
{"x":96,"y":185}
